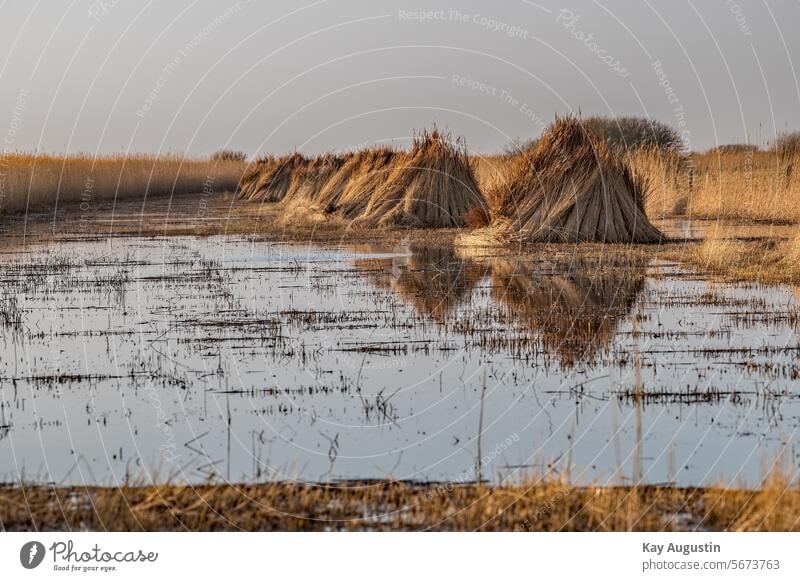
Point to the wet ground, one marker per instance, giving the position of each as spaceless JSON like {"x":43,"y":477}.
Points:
{"x":232,"y":357}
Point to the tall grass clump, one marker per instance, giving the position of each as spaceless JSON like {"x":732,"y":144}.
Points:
{"x":33,"y":181}
{"x":631,"y":133}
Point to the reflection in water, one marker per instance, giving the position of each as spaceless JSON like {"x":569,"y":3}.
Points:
{"x":574,"y":306}
{"x":433,"y":280}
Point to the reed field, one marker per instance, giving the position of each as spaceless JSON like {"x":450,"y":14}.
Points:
{"x":32,"y":182}
{"x":758,"y":186}
{"x":726,"y":184}
{"x":667,"y":178}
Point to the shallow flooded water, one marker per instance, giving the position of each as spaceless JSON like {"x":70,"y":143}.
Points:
{"x":195,"y":359}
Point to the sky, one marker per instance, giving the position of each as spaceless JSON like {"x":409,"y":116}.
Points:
{"x":196,"y":76}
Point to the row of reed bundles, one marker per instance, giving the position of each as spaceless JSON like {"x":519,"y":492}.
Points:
{"x":570,"y":187}
{"x":430,"y":186}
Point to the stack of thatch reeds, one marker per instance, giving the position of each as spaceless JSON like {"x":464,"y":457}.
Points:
{"x":370,"y":169}
{"x":432,"y":185}
{"x":340,"y":187}
{"x":302,"y":201}
{"x":269,"y":179}
{"x":570,"y":187}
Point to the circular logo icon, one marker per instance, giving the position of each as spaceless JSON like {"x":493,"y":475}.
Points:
{"x":31,"y":554}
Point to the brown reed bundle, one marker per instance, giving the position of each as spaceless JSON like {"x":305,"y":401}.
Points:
{"x":311,"y":177}
{"x":570,"y":187}
{"x":251,"y":175}
{"x":276,"y":179}
{"x":354,"y":164}
{"x":373,"y":167}
{"x":432,"y":186}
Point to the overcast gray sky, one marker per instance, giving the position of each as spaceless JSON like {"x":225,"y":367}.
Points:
{"x":195,"y":76}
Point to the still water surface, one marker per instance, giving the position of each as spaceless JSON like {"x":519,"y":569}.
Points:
{"x":194,"y":359}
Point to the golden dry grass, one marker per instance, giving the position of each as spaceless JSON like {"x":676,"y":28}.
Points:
{"x":753,"y":186}
{"x":667,"y":179}
{"x":767,"y":260}
{"x":36,"y":181}
{"x":729,"y":183}
{"x":546,"y":505}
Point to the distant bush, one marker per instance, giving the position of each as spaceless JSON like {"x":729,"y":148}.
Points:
{"x":734,"y":148}
{"x":788,"y":144}
{"x":635,"y":133}
{"x":228,"y":155}
{"x":519,"y":145}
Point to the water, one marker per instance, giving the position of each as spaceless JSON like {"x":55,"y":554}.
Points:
{"x":229,"y":359}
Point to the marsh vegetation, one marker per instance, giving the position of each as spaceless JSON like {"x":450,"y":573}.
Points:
{"x":320,"y":350}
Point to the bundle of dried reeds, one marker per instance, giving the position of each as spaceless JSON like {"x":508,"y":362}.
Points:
{"x":311,"y":177}
{"x":570,"y":187}
{"x":275,"y":179}
{"x":371,"y":169}
{"x":432,"y":186}
{"x":302,"y":202}
{"x":251,"y":176}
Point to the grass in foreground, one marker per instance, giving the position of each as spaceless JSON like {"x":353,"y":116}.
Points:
{"x":36,"y":181}
{"x":545,"y":506}
{"x":771,"y":261}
